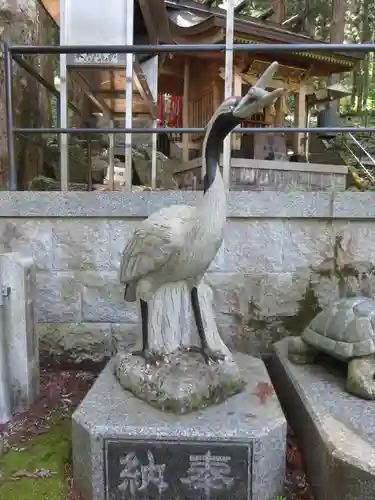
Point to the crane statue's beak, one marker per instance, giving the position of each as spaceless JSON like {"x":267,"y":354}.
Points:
{"x":258,"y":98}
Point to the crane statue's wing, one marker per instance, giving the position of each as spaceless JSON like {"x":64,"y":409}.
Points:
{"x":154,"y":242}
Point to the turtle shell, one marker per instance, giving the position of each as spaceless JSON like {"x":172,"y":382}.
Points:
{"x":344,"y":329}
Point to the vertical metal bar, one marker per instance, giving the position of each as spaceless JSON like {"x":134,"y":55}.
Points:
{"x":64,"y":174}
{"x":307,"y":143}
{"x":185,"y":111}
{"x":12,"y":181}
{"x":154,"y":140}
{"x":57,"y":112}
{"x":129,"y":95}
{"x":111,"y":159}
{"x":89,"y":164}
{"x":5,"y":402}
{"x":228,"y":86}
{"x":153,"y":156}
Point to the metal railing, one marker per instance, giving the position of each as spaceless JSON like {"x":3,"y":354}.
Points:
{"x":359,"y":162}
{"x":357,"y":143}
{"x":13,"y":52}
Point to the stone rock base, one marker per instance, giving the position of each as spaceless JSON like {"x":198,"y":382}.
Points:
{"x":335,"y":430}
{"x":125,"y":448}
{"x":182,"y":384}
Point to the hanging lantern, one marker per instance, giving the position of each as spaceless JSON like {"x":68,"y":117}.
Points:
{"x":327,"y":117}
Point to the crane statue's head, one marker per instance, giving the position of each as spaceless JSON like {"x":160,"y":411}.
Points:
{"x":231,"y":113}
{"x":236,"y":109}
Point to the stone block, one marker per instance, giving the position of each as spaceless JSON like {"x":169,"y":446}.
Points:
{"x":103,"y":298}
{"x":251,"y":246}
{"x":30,"y":238}
{"x":130,"y":206}
{"x":357,"y":239}
{"x":59,"y":297}
{"x":75,"y":342}
{"x":306,"y":243}
{"x":81,"y":244}
{"x":125,"y":336}
{"x":242,"y":439}
{"x":18,"y":321}
{"x":255,"y":310}
{"x":352,"y":205}
{"x":335,"y":430}
{"x":232,"y":293}
{"x":121,"y":231}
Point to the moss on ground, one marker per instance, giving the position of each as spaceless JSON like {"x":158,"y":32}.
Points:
{"x":48,"y":452}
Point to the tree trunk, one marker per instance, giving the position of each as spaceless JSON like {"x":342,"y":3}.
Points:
{"x":337,"y":35}
{"x":309,"y":24}
{"x":280,"y":14}
{"x":171,"y":321}
{"x":366,"y":37}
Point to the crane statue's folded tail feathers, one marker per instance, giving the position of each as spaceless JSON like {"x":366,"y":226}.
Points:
{"x":130,"y":293}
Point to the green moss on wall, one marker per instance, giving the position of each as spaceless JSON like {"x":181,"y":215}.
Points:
{"x":49,"y":452}
{"x":308,"y":308}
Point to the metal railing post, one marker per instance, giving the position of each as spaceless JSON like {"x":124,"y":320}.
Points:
{"x":5,"y":400}
{"x":8,"y":70}
{"x":89,"y":164}
{"x":129,"y":96}
{"x":111,"y":159}
{"x":64,"y":161}
{"x":228,"y":92}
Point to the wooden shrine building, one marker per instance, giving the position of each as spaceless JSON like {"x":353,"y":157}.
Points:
{"x":199,"y":78}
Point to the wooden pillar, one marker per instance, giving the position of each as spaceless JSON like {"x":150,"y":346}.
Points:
{"x":237,"y":91}
{"x":185,"y":110}
{"x":279,"y":117}
{"x":300,"y":120}
{"x":216,"y":96}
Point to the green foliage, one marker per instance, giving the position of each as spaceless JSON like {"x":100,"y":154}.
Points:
{"x":359,"y":28}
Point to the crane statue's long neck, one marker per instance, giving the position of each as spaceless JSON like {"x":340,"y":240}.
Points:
{"x":217,"y":129}
{"x":213,"y":205}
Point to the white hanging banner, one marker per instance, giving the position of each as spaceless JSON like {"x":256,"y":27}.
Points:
{"x":94,"y":22}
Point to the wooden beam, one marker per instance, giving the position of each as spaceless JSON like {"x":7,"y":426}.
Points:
{"x":156,"y":20}
{"x":300,"y":120}
{"x":81,"y":81}
{"x":140,"y":82}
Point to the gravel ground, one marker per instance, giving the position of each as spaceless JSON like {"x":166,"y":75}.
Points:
{"x":61,"y":393}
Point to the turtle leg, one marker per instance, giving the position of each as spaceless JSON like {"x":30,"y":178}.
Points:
{"x":300,"y":352}
{"x":361,"y":377}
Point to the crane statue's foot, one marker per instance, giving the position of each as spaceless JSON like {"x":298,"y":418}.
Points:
{"x":208,"y":354}
{"x":150,"y":357}
{"x":212,"y":356}
{"x":184,"y":383}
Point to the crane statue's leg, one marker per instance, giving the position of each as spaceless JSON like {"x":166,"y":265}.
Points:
{"x":207,"y":353}
{"x":149,"y":356}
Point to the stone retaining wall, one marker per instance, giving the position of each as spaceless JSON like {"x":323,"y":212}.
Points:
{"x":266,"y":175}
{"x":284,"y":256}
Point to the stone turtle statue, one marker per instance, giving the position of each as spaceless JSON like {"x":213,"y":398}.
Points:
{"x":345,"y":330}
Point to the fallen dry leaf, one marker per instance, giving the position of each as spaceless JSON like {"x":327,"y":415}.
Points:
{"x":39,"y":473}
{"x":264,"y":390}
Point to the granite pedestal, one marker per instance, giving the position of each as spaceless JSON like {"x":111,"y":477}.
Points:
{"x":124,"y":448}
{"x":335,"y":430}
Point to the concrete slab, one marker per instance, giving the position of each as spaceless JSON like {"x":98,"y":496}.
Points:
{"x":335,"y":430}
{"x":124,"y":448}
{"x":21,"y":344}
